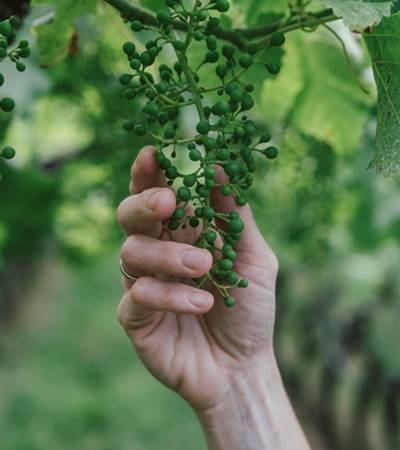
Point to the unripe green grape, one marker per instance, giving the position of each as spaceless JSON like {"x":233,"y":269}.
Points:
{"x":245,"y":61}
{"x":8,"y":152}
{"x":171,"y":173}
{"x":3,"y":53}
{"x":164,"y":16}
{"x":125,"y":79}
{"x":213,"y":24}
{"x":209,"y":172}
{"x":195,"y":155}
{"x":24,"y":52}
{"x":271,"y":152}
{"x":194,"y":222}
{"x":229,"y":253}
{"x":6,"y":28}
{"x":222,"y":70}
{"x":140,"y":129}
{"x":228,"y":51}
{"x":226,"y":190}
{"x":209,"y":213}
{"x":253,"y":48}
{"x":129,"y":48}
{"x":189,"y":180}
{"x":23,"y":43}
{"x":7,"y":104}
{"x":243,"y":283}
{"x":15,"y":21}
{"x":199,"y":212}
{"x":199,"y":36}
{"x":179,"y":213}
{"x":236,"y":226}
{"x":222,"y":5}
{"x":210,"y":144}
{"x":221,"y":107}
{"x":231,"y":168}
{"x":241,"y":201}
{"x":232,"y":278}
{"x":179,"y":45}
{"x":130,"y":93}
{"x":137,"y":26}
{"x":203,"y":127}
{"x":211,"y":57}
{"x":265,"y":137}
{"x":236,"y":95}
{"x":169,"y":132}
{"x":183,"y":194}
{"x":229,"y":301}
{"x":20,"y":66}
{"x":210,"y":236}
{"x":273,"y":68}
{"x":173,"y":224}
{"x":278,"y":39}
{"x":223,"y":154}
{"x":225,"y":264}
{"x":1,"y":79}
{"x":211,"y":42}
{"x":128,"y":125}
{"x":135,"y":64}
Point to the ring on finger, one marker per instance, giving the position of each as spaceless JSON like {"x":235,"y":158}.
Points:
{"x":127,"y":275}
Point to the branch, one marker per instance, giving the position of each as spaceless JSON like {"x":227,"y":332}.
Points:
{"x":237,"y":37}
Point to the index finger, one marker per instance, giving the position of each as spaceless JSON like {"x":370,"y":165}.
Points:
{"x":145,"y":172}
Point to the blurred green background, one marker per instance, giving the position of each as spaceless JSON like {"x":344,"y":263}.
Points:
{"x":68,"y":376}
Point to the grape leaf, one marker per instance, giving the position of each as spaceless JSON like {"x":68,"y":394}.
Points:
{"x":360,"y":14}
{"x":384,"y":47}
{"x":318,"y":93}
{"x":262,"y":12}
{"x":54,"y":37}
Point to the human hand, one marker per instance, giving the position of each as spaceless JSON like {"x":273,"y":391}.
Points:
{"x":186,"y":337}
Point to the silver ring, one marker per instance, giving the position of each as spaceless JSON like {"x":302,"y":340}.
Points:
{"x":125,"y":273}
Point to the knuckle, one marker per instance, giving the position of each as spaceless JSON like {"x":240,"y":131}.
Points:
{"x":128,"y":248}
{"x":169,"y":294}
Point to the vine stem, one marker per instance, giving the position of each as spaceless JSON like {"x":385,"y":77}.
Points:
{"x":237,"y":36}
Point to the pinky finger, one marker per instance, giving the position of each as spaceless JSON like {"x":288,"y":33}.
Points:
{"x":155,"y":295}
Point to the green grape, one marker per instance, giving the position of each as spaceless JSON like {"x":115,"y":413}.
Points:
{"x":223,"y":133}
{"x":7,"y":104}
{"x":8,"y":152}
{"x":271,"y":152}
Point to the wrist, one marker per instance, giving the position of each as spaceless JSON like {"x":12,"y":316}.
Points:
{"x":254,"y":414}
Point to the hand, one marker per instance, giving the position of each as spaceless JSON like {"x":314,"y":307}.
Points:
{"x":186,"y":337}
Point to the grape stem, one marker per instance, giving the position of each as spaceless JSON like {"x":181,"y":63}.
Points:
{"x":237,"y":37}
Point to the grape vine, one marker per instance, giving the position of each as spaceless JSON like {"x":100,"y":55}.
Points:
{"x":8,"y":30}
{"x":223,"y":134}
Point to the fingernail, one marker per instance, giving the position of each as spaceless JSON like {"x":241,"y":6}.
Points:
{"x":193,"y":258}
{"x":198,"y":300}
{"x":152,"y":201}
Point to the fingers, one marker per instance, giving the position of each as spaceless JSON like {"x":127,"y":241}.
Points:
{"x":145,"y":172}
{"x":144,"y":212}
{"x":251,"y":239}
{"x":149,"y":295}
{"x":145,"y":255}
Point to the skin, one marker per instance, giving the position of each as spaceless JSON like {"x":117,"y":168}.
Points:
{"x":220,"y":360}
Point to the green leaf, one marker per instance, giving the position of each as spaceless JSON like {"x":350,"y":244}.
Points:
{"x":384,"y":47}
{"x":317,"y":93}
{"x":54,"y":38}
{"x":360,"y":14}
{"x":262,"y":12}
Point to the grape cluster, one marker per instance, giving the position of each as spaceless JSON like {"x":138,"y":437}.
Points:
{"x":223,"y":134}
{"x":8,"y":30}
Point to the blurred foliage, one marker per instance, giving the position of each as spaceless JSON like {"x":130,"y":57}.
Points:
{"x":334,"y":225}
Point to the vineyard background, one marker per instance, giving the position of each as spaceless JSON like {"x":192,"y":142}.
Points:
{"x":67,"y":375}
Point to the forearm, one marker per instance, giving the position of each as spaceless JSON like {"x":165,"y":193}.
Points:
{"x":256,"y":414}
